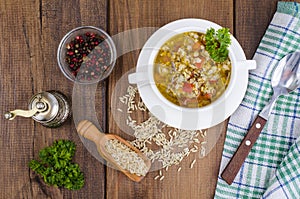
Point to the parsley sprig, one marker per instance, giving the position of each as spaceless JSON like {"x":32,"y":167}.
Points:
{"x":56,"y":166}
{"x":217,"y":43}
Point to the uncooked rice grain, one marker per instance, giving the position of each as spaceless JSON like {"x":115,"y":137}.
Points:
{"x":126,"y":158}
{"x":202,"y":151}
{"x":174,"y":145}
{"x":192,"y":164}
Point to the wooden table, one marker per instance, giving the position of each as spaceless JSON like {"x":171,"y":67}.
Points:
{"x":30,"y":34}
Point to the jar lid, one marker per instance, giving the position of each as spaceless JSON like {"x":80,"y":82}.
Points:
{"x":48,"y":100}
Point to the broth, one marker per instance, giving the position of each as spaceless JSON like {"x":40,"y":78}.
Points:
{"x":185,"y":74}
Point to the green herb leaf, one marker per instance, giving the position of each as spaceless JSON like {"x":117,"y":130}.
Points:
{"x":56,"y":167}
{"x":217,"y":43}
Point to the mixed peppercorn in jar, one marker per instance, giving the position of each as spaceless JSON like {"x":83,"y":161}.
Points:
{"x":86,"y":55}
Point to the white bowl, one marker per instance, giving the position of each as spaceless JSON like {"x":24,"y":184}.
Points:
{"x":190,"y":118}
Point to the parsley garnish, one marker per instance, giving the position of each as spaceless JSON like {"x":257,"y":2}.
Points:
{"x":56,"y":166}
{"x":217,"y":43}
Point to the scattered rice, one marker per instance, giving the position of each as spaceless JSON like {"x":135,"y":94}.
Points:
{"x":156,"y":177}
{"x":173,"y":144}
{"x":196,"y":140}
{"x":202,"y":152}
{"x":192,"y":164}
{"x":161,"y":178}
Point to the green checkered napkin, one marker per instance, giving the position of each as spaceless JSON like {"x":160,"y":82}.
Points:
{"x":272,"y":169}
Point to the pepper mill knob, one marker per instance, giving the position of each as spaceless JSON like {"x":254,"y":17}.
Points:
{"x":8,"y":115}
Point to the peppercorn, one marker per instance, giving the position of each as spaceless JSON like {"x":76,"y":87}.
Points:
{"x":88,"y":56}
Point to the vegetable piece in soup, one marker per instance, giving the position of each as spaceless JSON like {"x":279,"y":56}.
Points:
{"x":185,"y":74}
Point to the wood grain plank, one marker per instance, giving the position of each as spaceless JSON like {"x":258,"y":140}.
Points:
{"x":16,"y":136}
{"x":32,"y":32}
{"x":200,"y":181}
{"x":59,"y":17}
{"x":251,"y":21}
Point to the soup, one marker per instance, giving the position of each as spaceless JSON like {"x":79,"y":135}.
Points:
{"x":185,"y":74}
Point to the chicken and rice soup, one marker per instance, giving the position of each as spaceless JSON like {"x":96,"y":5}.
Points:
{"x":185,"y":74}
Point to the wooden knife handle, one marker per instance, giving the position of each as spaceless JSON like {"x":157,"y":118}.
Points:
{"x":243,"y":150}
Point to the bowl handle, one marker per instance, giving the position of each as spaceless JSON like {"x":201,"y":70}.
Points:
{"x":248,"y":64}
{"x":135,"y":78}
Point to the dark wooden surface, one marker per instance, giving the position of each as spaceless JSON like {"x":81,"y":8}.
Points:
{"x":30,"y":33}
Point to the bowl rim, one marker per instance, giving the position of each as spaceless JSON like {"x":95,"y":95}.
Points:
{"x":68,"y":35}
{"x":169,"y":111}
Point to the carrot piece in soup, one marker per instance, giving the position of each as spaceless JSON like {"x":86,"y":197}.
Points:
{"x":199,"y":65}
{"x":196,"y":46}
{"x":207,"y":96}
{"x":187,"y":87}
{"x":166,"y":59}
